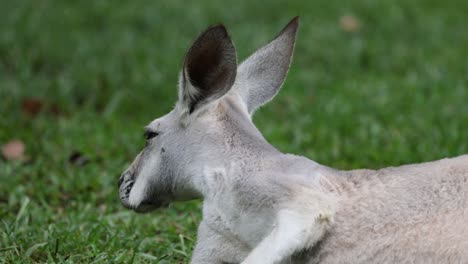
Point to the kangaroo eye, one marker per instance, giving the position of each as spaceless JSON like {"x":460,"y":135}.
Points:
{"x":150,"y":134}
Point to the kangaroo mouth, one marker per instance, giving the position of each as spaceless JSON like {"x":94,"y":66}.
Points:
{"x":147,"y":205}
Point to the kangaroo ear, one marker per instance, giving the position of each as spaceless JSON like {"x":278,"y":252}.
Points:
{"x":261,"y":75}
{"x":209,"y":69}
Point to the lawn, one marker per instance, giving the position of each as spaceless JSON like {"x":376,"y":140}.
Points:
{"x":80,"y":79}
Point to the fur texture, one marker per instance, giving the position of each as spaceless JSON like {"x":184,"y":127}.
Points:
{"x":408,"y":214}
{"x":263,"y":206}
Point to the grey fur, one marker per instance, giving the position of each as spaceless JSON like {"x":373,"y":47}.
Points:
{"x":263,"y":206}
{"x":263,"y":73}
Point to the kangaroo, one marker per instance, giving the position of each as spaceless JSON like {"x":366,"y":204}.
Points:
{"x":264,"y":206}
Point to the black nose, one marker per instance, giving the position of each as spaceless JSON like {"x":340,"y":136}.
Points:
{"x":121,"y":179}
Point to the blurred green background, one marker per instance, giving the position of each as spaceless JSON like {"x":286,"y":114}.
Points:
{"x":373,"y":84}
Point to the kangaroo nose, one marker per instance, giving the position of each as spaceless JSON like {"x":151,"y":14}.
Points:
{"x":121,"y":179}
{"x":125,"y":177}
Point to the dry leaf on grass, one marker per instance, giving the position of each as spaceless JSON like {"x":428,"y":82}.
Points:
{"x":350,"y":23}
{"x":32,"y":106}
{"x":13,"y":150}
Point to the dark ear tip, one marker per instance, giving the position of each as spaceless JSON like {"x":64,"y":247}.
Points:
{"x":293,"y":24}
{"x":218,"y":29}
{"x":295,"y":20}
{"x":290,"y":28}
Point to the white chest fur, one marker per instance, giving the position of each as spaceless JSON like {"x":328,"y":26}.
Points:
{"x":246,"y":226}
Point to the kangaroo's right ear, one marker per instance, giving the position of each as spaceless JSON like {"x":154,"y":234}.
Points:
{"x":209,"y":70}
{"x":261,"y":75}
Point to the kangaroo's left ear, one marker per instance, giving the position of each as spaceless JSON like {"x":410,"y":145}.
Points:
{"x":209,"y":69}
{"x":261,"y":75}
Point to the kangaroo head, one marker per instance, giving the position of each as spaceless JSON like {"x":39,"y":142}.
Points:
{"x":211,"y":122}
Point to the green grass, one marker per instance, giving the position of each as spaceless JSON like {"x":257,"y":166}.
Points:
{"x":394,"y":92}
